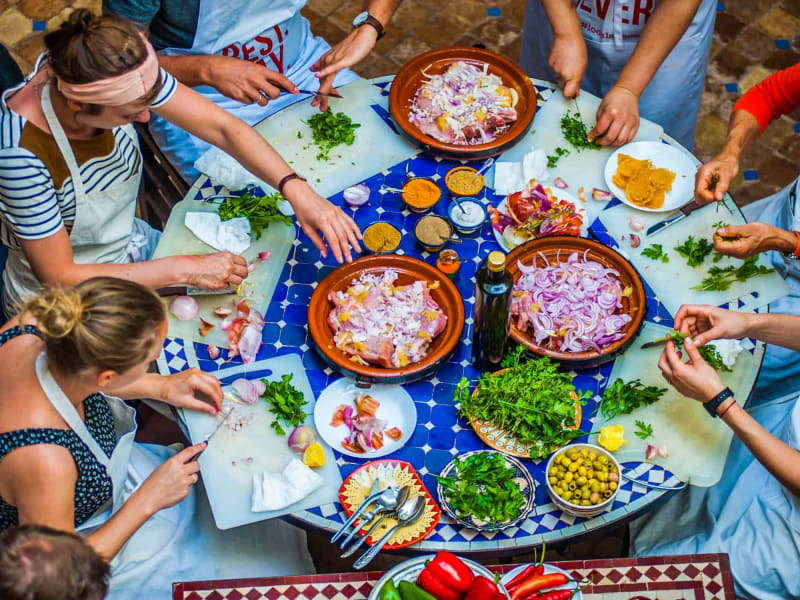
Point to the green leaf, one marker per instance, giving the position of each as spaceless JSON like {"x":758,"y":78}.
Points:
{"x":622,"y":398}
{"x":656,"y":252}
{"x":643,"y":430}
{"x":285,"y":403}
{"x":259,"y":210}
{"x":695,"y":251}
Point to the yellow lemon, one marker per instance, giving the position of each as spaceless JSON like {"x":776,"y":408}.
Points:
{"x":314,"y":456}
{"x":612,"y":437}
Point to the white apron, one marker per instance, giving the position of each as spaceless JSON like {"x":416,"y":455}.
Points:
{"x":611,"y":29}
{"x":748,"y":514}
{"x":272,"y":33}
{"x":104,"y":220}
{"x":180,"y":543}
{"x":780,"y":371}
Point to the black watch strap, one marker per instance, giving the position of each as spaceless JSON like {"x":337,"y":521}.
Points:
{"x":376,"y":24}
{"x":712,"y":405}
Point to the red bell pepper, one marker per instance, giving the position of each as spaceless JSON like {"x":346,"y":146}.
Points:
{"x":534,"y":584}
{"x":484,"y":589}
{"x":446,"y":573}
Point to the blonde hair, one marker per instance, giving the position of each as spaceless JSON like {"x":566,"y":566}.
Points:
{"x":103,"y":323}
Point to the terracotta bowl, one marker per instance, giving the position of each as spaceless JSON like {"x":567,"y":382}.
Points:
{"x":409,"y":270}
{"x":558,"y":248}
{"x":409,"y":79}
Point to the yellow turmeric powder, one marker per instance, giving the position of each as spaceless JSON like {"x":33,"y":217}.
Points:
{"x":381,"y":237}
{"x":420,"y":194}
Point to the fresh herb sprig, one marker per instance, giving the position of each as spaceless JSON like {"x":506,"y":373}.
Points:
{"x":656,"y":252}
{"x":709,"y":353}
{"x":259,"y":210}
{"x":483,"y":487}
{"x":552,"y":159}
{"x":286,"y":403}
{"x":720,"y":279}
{"x":622,"y":398}
{"x":574,"y":130}
{"x":330,"y":130}
{"x":643,"y":430}
{"x":695,"y":252}
{"x":532,"y":400}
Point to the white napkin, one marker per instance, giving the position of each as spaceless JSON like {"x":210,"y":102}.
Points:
{"x":225,"y":170}
{"x":728,"y":350}
{"x":274,"y":491}
{"x":232,"y":235}
{"x":510,"y":177}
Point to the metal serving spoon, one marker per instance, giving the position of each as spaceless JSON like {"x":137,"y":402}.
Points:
{"x":371,"y":497}
{"x":410,"y":512}
{"x":387,"y":502}
{"x":401,"y":499}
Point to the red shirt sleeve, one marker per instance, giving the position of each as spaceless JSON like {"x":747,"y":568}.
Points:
{"x":777,"y":95}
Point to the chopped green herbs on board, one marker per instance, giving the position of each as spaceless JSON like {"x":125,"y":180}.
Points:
{"x":720,"y":279}
{"x":482,"y":486}
{"x":695,"y":252}
{"x":533,"y":400}
{"x":622,"y":398}
{"x":330,"y":130}
{"x":656,"y":252}
{"x":553,"y":159}
{"x":286,"y":403}
{"x":643,"y":430}
{"x":575,"y":132}
{"x":259,"y":210}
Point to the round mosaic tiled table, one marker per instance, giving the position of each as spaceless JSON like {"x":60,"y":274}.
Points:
{"x":439,"y":434}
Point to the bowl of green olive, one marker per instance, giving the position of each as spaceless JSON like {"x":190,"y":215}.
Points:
{"x":582,"y":479}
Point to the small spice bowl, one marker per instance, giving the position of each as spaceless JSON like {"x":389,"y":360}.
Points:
{"x":420,"y":194}
{"x":463,"y":181}
{"x":471,"y":218}
{"x":381,"y":237}
{"x":432,"y":232}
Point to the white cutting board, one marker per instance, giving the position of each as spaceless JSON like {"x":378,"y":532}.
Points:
{"x":376,"y":146}
{"x":697,"y":444}
{"x":177,"y":239}
{"x":229,"y":487}
{"x":578,"y":169}
{"x":672,"y":281}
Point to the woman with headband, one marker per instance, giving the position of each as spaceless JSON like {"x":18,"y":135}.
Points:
{"x":70,"y":166}
{"x":68,"y":459}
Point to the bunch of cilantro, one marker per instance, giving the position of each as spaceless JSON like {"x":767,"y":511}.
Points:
{"x":330,"y":130}
{"x":533,"y":400}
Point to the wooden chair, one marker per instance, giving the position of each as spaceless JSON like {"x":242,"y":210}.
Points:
{"x":162,"y":186}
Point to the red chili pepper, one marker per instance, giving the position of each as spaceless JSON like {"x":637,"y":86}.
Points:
{"x":557,"y":595}
{"x":484,"y":589}
{"x":436,"y":588}
{"x":451,"y":571}
{"x":526,"y":573}
{"x":535,"y":584}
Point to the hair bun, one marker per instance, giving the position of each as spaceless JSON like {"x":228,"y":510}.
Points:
{"x":57,"y":311}
{"x":80,"y":20}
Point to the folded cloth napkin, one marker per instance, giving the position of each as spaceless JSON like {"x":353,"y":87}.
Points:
{"x":728,"y":350}
{"x":274,"y":491}
{"x":510,"y":177}
{"x":223,"y":169}
{"x":232,"y":235}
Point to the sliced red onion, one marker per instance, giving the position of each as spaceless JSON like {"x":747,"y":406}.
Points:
{"x":264,"y":256}
{"x":560,"y":183}
{"x":347,"y":417}
{"x":222,"y":311}
{"x":356,"y":195}
{"x":213,"y":352}
{"x":249,"y":390}
{"x":249,"y":343}
{"x":185,"y":308}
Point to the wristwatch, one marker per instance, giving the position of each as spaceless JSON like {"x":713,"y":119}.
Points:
{"x":365,"y":18}
{"x":712,"y":405}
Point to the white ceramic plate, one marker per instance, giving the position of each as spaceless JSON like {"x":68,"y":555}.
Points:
{"x":662,"y":156}
{"x":563,"y":194}
{"x":396,"y":408}
{"x":548,"y":568}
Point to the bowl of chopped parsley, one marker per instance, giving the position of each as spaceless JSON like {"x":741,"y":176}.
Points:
{"x":486,"y":490}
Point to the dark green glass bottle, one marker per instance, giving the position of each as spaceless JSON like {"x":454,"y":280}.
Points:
{"x":490,"y":323}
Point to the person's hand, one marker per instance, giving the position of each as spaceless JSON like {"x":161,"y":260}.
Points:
{"x":568,"y":60}
{"x":693,"y":379}
{"x":216,"y":271}
{"x":713,"y":178}
{"x":705,"y":323}
{"x":182,"y":390}
{"x":171,"y":481}
{"x":248,"y":82}
{"x":351,"y":50}
{"x":617,"y":118}
{"x":741,"y":241}
{"x":315,"y":214}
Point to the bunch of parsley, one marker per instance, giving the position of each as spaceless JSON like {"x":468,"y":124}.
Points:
{"x":656,"y":252}
{"x":259,"y":210}
{"x":623,"y":397}
{"x":286,"y":403}
{"x":720,"y":279}
{"x":533,"y":400}
{"x":695,"y":252}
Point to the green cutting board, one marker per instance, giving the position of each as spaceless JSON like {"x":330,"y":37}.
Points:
{"x":177,"y":239}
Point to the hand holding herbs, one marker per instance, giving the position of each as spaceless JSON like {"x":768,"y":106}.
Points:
{"x":286,"y":403}
{"x":330,"y":130}
{"x":709,"y":353}
{"x":259,"y":210}
{"x":622,"y":398}
{"x":483,"y":487}
{"x":534,"y":401}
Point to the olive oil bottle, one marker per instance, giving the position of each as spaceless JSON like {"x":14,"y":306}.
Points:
{"x":490,"y":324}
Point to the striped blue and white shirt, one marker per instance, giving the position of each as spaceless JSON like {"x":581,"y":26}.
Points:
{"x":37,"y":197}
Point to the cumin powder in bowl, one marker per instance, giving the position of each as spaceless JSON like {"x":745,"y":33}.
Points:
{"x":381,"y":237}
{"x":433,"y":232}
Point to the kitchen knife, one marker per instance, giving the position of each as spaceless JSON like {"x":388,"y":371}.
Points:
{"x":318,"y":93}
{"x":213,"y":433}
{"x":685,"y":211}
{"x":653,"y":344}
